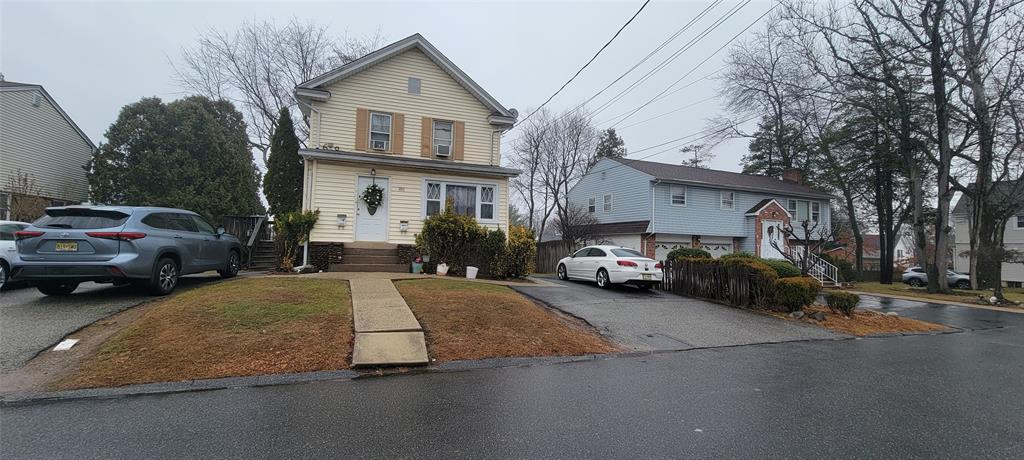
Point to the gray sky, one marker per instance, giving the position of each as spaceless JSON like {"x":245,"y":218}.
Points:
{"x":95,"y":57}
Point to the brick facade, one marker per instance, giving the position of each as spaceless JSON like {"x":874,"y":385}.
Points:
{"x":773,"y":211}
{"x":648,"y":241}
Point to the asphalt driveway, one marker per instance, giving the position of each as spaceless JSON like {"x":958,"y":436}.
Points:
{"x":655,"y":320}
{"x":31,"y":322}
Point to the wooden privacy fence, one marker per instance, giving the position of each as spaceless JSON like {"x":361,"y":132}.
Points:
{"x":738,"y":282}
{"x":549,"y":253}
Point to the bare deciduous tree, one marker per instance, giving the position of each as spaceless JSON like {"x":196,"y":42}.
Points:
{"x":26,"y":203}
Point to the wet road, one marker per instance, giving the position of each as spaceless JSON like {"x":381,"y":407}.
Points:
{"x":926,"y":396}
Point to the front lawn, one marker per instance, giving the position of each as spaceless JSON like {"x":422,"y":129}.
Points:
{"x":472,"y":320}
{"x":958,"y":295}
{"x":245,"y":327}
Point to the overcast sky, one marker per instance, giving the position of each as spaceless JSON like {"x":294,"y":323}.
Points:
{"x":95,"y":57}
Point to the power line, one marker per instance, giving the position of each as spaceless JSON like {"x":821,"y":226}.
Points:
{"x":669,"y":112}
{"x":588,"y":62}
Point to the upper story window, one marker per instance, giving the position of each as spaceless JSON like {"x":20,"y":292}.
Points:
{"x":727,"y":200}
{"x":816,"y":211}
{"x":442,"y":143}
{"x":678,"y":195}
{"x":380,"y":131}
{"x":1020,"y":221}
{"x":607,"y":203}
{"x":805,"y":210}
{"x":592,"y":205}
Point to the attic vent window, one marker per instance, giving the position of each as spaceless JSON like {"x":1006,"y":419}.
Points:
{"x":414,"y":85}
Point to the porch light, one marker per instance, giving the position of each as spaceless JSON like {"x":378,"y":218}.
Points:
{"x":373,"y":171}
{"x":342,"y":219}
{"x":403,"y":226}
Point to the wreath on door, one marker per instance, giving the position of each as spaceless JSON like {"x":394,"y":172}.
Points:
{"x":373,"y":196}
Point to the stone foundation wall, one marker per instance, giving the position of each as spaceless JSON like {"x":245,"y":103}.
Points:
{"x":322,"y":255}
{"x":407,"y":253}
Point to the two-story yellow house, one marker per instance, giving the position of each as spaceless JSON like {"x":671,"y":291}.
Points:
{"x":408,"y":120}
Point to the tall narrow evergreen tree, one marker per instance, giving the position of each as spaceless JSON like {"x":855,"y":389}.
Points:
{"x":283,"y":182}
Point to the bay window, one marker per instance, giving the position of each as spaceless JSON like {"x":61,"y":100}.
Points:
{"x":476,"y":200}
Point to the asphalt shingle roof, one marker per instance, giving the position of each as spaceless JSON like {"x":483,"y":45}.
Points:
{"x":1007,"y":190}
{"x":721,"y":179}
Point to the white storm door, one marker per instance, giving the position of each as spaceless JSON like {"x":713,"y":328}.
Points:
{"x":771,"y":230}
{"x":371,"y":227}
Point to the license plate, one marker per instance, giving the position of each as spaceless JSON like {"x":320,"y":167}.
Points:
{"x":647,"y":276}
{"x":67,"y":246}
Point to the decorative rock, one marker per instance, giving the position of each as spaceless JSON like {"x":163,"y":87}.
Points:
{"x":818,"y":316}
{"x":891,"y":313}
{"x":797,"y":314}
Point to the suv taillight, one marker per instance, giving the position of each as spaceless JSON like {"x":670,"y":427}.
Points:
{"x":123,"y":236}
{"x":27,"y":234}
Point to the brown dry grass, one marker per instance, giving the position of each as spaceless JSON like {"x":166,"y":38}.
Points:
{"x":471,"y":320}
{"x":246,"y":327}
{"x":865,"y":322}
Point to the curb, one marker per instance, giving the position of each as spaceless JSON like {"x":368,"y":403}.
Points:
{"x":936,"y":301}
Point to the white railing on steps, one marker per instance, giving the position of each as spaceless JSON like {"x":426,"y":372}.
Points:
{"x":826,"y":273}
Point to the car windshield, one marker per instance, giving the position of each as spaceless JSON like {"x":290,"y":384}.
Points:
{"x":81,"y":218}
{"x":623,"y":252}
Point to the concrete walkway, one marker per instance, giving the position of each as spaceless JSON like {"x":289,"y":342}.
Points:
{"x":387,"y":333}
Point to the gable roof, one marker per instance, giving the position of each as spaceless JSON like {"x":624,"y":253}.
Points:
{"x":1005,"y":190}
{"x":15,"y":86}
{"x":413,"y":41}
{"x":721,"y":179}
{"x":764,"y":204}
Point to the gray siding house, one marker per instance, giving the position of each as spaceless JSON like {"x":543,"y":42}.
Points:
{"x":655,"y":207}
{"x":38,"y":139}
{"x":1013,"y":234}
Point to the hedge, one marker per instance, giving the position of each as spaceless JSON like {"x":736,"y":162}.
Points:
{"x":842,"y":302}
{"x":793,"y":294}
{"x":679,"y":252}
{"x":784,"y":268}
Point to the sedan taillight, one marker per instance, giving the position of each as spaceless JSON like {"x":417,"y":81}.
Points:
{"x":123,"y":236}
{"x":27,"y":234}
{"x":658,"y":266}
{"x":626,"y":263}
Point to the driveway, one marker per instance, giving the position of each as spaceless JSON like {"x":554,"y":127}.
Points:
{"x":30,"y":321}
{"x":656,"y":320}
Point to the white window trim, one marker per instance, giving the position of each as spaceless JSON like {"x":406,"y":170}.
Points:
{"x":1017,"y":222}
{"x":369,"y":135}
{"x":592,"y":205}
{"x":795,"y":211}
{"x":810,"y":210}
{"x":671,"y":195}
{"x":444,"y":197}
{"x":607,"y":203}
{"x":433,"y":136}
{"x":721,"y":200}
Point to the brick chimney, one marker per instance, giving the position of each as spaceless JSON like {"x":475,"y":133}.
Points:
{"x":794,"y":175}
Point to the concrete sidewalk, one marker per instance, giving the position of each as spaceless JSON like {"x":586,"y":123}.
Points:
{"x":387,"y":332}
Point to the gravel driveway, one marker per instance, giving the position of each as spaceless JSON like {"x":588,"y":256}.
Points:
{"x":30,"y":321}
{"x":661,"y":321}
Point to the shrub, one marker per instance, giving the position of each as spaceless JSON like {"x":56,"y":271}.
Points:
{"x":520,"y":253}
{"x":842,"y":302}
{"x":793,"y":294}
{"x":740,"y":255}
{"x":784,"y":268}
{"x":493,"y":254}
{"x":680,"y":252}
{"x":291,"y":230}
{"x":450,"y":238}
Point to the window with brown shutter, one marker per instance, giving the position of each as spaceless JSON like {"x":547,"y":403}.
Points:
{"x":426,"y":133}
{"x":397,"y":133}
{"x":362,"y":129}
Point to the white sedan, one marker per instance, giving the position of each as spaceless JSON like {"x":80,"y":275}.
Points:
{"x":609,"y":265}
{"x":7,"y":249}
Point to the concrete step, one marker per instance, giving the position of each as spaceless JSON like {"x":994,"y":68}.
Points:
{"x":388,"y":268}
{"x":371,"y":245}
{"x":376,"y":349}
{"x":369,"y":252}
{"x":370,"y":259}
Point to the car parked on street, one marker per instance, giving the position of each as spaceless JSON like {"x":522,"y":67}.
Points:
{"x":7,"y":247}
{"x":918,"y":277}
{"x":145,"y":246}
{"x":609,"y":265}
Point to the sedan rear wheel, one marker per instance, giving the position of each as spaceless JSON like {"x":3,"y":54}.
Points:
{"x":562,"y":275}
{"x":602,"y":279}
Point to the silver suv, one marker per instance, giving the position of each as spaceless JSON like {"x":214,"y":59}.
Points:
{"x":917,"y":276}
{"x":151,"y":247}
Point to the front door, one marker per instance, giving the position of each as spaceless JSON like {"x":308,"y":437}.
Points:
{"x":771,"y":230}
{"x":371,"y":226}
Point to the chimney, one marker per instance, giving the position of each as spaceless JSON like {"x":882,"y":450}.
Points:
{"x":794,"y":175}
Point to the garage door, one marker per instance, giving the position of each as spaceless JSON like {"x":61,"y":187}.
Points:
{"x":717,"y":249}
{"x":661,"y":250}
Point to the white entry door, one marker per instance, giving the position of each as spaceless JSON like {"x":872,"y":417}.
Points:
{"x":767,"y":250}
{"x":371,"y":227}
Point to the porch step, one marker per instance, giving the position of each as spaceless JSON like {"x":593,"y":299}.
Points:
{"x":371,"y":245}
{"x":388,"y":268}
{"x":368,"y":252}
{"x":389,"y":259}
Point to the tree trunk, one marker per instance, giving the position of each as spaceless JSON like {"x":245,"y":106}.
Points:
{"x":937,"y":271}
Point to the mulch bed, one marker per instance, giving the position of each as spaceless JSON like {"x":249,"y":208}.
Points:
{"x":863,"y":322}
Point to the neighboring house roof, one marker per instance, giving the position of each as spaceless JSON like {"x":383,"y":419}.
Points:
{"x":721,"y":179}
{"x":408,"y":161}
{"x":15,"y":86}
{"x":1007,"y":190}
{"x":504,"y":115}
{"x":753,"y":211}
{"x":634,"y":227}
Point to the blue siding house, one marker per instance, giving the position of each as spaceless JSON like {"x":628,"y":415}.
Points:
{"x":655,"y":207}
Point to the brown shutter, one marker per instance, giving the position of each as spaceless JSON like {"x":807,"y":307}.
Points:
{"x":460,"y":140}
{"x":426,"y":137}
{"x":398,"y":133}
{"x":362,"y":129}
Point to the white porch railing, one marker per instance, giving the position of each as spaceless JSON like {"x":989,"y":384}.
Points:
{"x":826,"y":273}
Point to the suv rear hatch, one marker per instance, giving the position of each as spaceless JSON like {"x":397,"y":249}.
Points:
{"x":73,"y":234}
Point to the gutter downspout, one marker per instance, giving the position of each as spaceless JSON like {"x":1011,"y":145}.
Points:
{"x":654,"y":202}
{"x":309,"y":178}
